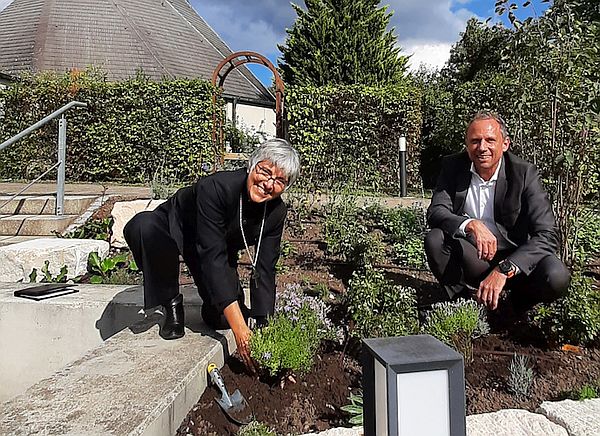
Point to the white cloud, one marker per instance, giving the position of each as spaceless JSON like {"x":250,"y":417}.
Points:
{"x":427,"y":33}
{"x":431,"y":55}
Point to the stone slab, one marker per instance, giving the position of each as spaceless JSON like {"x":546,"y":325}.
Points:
{"x":580,"y":418}
{"x":47,"y":335}
{"x":135,"y":383}
{"x":512,"y":422}
{"x":44,"y":204}
{"x":123,"y":211}
{"x":10,"y":240}
{"x":18,"y":260}
{"x":31,"y":225}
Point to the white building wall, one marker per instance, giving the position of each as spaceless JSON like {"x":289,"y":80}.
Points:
{"x":253,"y":119}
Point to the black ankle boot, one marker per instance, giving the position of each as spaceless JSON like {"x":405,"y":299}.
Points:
{"x":174,"y":321}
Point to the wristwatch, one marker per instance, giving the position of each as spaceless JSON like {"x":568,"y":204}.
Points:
{"x":507,"y":268}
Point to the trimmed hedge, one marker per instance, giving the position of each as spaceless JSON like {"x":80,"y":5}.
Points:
{"x":130,"y":130}
{"x":348,"y":135}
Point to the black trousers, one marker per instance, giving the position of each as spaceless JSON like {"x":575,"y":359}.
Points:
{"x":157,"y":256}
{"x":455,"y":265}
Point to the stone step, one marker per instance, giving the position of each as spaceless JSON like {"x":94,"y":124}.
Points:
{"x":44,"y":204}
{"x":31,"y":225}
{"x":135,"y":383}
{"x":18,"y":260}
{"x":10,"y":240}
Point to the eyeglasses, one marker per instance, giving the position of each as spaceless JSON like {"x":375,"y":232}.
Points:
{"x":280,"y":182}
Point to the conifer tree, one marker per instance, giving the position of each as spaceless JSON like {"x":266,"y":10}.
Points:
{"x":341,"y":42}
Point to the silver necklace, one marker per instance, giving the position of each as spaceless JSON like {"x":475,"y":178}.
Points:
{"x":253,"y":259}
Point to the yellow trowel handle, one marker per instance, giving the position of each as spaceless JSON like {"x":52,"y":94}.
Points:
{"x":215,"y":376}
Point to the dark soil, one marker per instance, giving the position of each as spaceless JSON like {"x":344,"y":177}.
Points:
{"x":312,"y":402}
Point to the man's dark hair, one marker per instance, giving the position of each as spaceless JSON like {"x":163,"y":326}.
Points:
{"x":490,"y":115}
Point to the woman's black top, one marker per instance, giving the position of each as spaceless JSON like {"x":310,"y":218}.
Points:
{"x":204,"y":220}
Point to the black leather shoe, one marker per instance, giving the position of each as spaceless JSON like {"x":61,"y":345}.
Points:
{"x":174,"y":320}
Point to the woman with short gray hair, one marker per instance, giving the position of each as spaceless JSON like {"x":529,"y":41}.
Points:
{"x":207,"y":224}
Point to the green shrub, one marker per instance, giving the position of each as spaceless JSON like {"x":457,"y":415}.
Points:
{"x":348,"y":235}
{"x":128,"y":130}
{"x":379,"y":307}
{"x":587,"y":237}
{"x":574,"y":319}
{"x":456,"y":324}
{"x":348,"y":135}
{"x":286,"y":345}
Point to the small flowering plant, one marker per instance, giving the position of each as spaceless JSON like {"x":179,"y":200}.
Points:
{"x":289,"y":342}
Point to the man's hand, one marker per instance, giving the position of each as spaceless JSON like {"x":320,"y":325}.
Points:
{"x":485,"y":240}
{"x":490,"y":289}
{"x":242,"y":333}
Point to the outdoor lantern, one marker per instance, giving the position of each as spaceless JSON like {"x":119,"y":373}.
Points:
{"x":412,"y":386}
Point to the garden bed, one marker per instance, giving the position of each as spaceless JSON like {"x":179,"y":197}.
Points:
{"x":313,"y":401}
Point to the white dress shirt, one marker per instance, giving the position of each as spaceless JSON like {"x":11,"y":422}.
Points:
{"x":479,"y":204}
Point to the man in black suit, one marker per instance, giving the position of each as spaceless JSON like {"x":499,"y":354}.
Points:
{"x":492,"y":225}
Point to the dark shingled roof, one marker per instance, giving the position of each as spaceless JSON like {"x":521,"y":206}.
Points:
{"x":164,"y":38}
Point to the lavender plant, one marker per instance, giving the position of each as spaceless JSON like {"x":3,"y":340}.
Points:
{"x":520,"y":376}
{"x":457,"y":324}
{"x":293,"y":335}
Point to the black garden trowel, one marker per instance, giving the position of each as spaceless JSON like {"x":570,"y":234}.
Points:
{"x":235,"y":405}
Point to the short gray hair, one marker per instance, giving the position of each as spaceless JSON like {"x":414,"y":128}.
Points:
{"x":491,"y":115}
{"x":281,"y":154}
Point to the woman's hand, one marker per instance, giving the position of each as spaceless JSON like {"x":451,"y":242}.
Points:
{"x":242,"y":333}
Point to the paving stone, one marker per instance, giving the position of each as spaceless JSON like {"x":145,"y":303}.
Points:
{"x":18,"y":260}
{"x":133,"y":384}
{"x":123,"y":211}
{"x":580,"y":418}
{"x":512,"y":422}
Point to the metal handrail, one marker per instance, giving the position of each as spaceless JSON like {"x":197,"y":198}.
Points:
{"x":62,"y":145}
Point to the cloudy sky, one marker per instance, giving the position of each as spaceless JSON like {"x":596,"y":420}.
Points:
{"x":425,"y":28}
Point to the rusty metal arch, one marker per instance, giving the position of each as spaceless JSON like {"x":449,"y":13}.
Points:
{"x":219,"y":75}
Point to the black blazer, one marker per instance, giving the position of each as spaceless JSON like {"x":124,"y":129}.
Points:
{"x":204,"y":221}
{"x":522,"y":210}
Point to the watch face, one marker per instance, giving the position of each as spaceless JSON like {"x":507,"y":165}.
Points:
{"x":505,"y":267}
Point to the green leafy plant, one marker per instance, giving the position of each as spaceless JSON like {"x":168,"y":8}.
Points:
{"x":112,"y":269}
{"x":349,"y":236}
{"x":255,"y":428}
{"x":286,"y":250}
{"x":47,"y":276}
{"x":520,"y":377}
{"x":574,"y":319}
{"x":355,"y":409}
{"x":456,"y":324}
{"x":380,"y":308}
{"x":93,"y":229}
{"x":586,"y":392}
